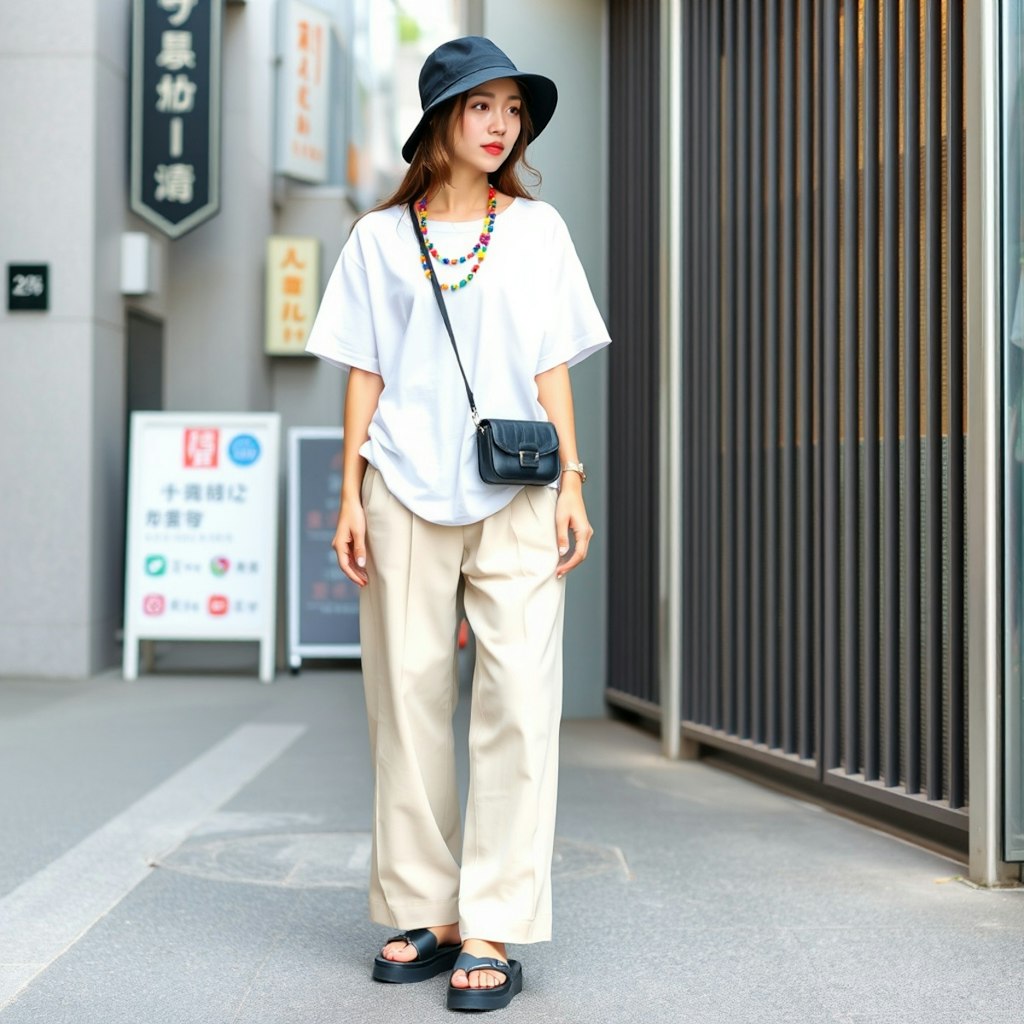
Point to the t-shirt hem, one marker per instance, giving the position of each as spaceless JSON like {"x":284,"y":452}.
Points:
{"x":575,"y":355}
{"x":346,"y":360}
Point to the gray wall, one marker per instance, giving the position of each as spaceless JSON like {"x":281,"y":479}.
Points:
{"x":566,"y":41}
{"x":62,"y":201}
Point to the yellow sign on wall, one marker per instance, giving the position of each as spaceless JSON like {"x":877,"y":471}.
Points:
{"x":293,"y":289}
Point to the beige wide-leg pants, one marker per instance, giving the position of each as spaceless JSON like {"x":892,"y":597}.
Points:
{"x":502,"y":890}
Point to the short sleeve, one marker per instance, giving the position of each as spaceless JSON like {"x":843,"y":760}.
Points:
{"x":343,"y":331}
{"x":574,"y":328}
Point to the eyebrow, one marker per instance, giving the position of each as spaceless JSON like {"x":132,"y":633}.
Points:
{"x":491,"y":95}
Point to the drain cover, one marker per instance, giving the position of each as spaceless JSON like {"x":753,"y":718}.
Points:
{"x":310,"y":860}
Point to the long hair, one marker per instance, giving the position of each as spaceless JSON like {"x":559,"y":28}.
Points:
{"x":431,"y":164}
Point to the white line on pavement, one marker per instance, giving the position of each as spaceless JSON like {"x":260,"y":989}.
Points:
{"x":52,"y":910}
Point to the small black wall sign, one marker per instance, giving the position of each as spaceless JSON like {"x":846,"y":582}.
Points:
{"x":28,"y":286}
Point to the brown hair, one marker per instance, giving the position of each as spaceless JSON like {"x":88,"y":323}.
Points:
{"x":431,"y":164}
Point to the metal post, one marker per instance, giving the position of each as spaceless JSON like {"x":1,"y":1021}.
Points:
{"x":670,"y":390}
{"x":872,"y":504}
{"x":851,"y":427}
{"x":771,"y":326}
{"x":984,"y":607}
{"x":955,"y":621}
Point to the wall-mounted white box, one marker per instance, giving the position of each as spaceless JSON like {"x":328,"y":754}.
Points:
{"x":139,"y":257}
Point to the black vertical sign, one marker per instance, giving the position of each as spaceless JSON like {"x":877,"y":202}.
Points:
{"x":175,"y":115}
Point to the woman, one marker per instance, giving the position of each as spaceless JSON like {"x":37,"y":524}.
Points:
{"x":416,"y":520}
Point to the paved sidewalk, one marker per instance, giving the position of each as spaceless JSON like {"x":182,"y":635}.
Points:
{"x":194,"y":849}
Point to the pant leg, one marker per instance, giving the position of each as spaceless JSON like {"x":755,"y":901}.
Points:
{"x":408,"y":634}
{"x":515,"y":605}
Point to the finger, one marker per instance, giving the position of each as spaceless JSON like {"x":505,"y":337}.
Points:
{"x":356,"y":575}
{"x":347,"y":560}
{"x":562,"y":532}
{"x":359,"y":547}
{"x":580,"y":552}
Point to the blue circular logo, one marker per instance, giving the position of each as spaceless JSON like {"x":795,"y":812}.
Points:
{"x":244,"y":450}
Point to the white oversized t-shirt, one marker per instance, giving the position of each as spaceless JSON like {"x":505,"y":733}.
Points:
{"x":528,"y":309}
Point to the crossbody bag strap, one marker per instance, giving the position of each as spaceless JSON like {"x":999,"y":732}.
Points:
{"x":444,"y":310}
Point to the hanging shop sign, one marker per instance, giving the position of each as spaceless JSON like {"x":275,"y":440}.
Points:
{"x":323,"y":603}
{"x":304,"y":94}
{"x":293,"y":291}
{"x":28,"y":286}
{"x":175,"y":115}
{"x":201,"y":561}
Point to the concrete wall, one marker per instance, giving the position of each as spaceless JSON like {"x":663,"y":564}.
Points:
{"x":566,"y":41}
{"x":64,"y":78}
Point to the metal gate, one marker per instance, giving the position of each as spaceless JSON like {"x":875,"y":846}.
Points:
{"x":633,"y":449}
{"x":822,"y":292}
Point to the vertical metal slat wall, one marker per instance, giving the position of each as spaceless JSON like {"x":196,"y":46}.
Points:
{"x":633,"y":557}
{"x":823,"y":281}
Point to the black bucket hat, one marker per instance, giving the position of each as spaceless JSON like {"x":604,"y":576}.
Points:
{"x":457,"y":66}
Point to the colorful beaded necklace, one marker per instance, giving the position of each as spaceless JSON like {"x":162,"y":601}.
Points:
{"x":479,"y":251}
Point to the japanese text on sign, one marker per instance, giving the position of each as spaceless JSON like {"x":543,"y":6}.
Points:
{"x":175,"y":112}
{"x":293,"y":282}
{"x":304,"y":93}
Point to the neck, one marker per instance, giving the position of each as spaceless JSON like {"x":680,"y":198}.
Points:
{"x":464,"y":196}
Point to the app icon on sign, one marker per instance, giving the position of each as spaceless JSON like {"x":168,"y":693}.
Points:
{"x":217,"y":605}
{"x":219,"y":566}
{"x":244,"y":450}
{"x":201,"y":447}
{"x":153,"y":604}
{"x":156,"y":565}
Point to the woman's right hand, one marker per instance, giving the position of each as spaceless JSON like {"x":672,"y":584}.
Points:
{"x":350,"y":541}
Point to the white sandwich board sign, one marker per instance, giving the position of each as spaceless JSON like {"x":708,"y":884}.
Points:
{"x":201,"y":559}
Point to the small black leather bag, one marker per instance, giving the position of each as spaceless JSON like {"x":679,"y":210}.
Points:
{"x":508,"y":451}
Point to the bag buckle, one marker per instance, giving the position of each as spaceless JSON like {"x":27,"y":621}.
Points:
{"x":529,"y":459}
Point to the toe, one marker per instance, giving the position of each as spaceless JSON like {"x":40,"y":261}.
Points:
{"x":459,"y":980}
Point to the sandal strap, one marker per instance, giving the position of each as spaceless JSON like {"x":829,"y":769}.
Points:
{"x":469,"y":963}
{"x":423,"y":940}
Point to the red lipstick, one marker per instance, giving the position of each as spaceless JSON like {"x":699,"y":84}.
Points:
{"x":495,"y":148}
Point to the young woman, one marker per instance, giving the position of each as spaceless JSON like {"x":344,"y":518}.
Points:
{"x":417,"y":522}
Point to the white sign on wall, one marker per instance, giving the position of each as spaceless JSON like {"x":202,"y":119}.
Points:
{"x":201,"y":560}
{"x":304,"y":92}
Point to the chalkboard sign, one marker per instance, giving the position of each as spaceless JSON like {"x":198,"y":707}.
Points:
{"x":323,"y":603}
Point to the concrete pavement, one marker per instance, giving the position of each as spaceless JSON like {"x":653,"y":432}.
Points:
{"x":193,"y":848}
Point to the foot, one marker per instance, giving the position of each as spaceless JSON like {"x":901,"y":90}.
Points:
{"x":403,"y":952}
{"x":481,"y":979}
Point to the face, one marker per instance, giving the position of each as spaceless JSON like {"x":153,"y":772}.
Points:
{"x":489,"y":126}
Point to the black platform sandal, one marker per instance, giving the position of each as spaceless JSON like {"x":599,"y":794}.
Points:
{"x":485,"y":998}
{"x":430,"y":961}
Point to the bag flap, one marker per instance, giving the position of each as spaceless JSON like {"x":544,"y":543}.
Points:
{"x":514,"y":436}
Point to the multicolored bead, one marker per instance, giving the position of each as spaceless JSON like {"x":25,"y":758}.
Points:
{"x":479,"y":250}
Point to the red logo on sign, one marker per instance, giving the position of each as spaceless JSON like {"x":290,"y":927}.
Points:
{"x":217,"y":605}
{"x":201,"y":444}
{"x":153,"y":604}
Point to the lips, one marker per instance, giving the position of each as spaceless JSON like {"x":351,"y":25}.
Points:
{"x":495,"y":149}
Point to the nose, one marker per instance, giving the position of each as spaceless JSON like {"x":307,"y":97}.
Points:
{"x":498,"y":123}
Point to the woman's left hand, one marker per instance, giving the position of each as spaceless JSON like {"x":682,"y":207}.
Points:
{"x":571,"y":514}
